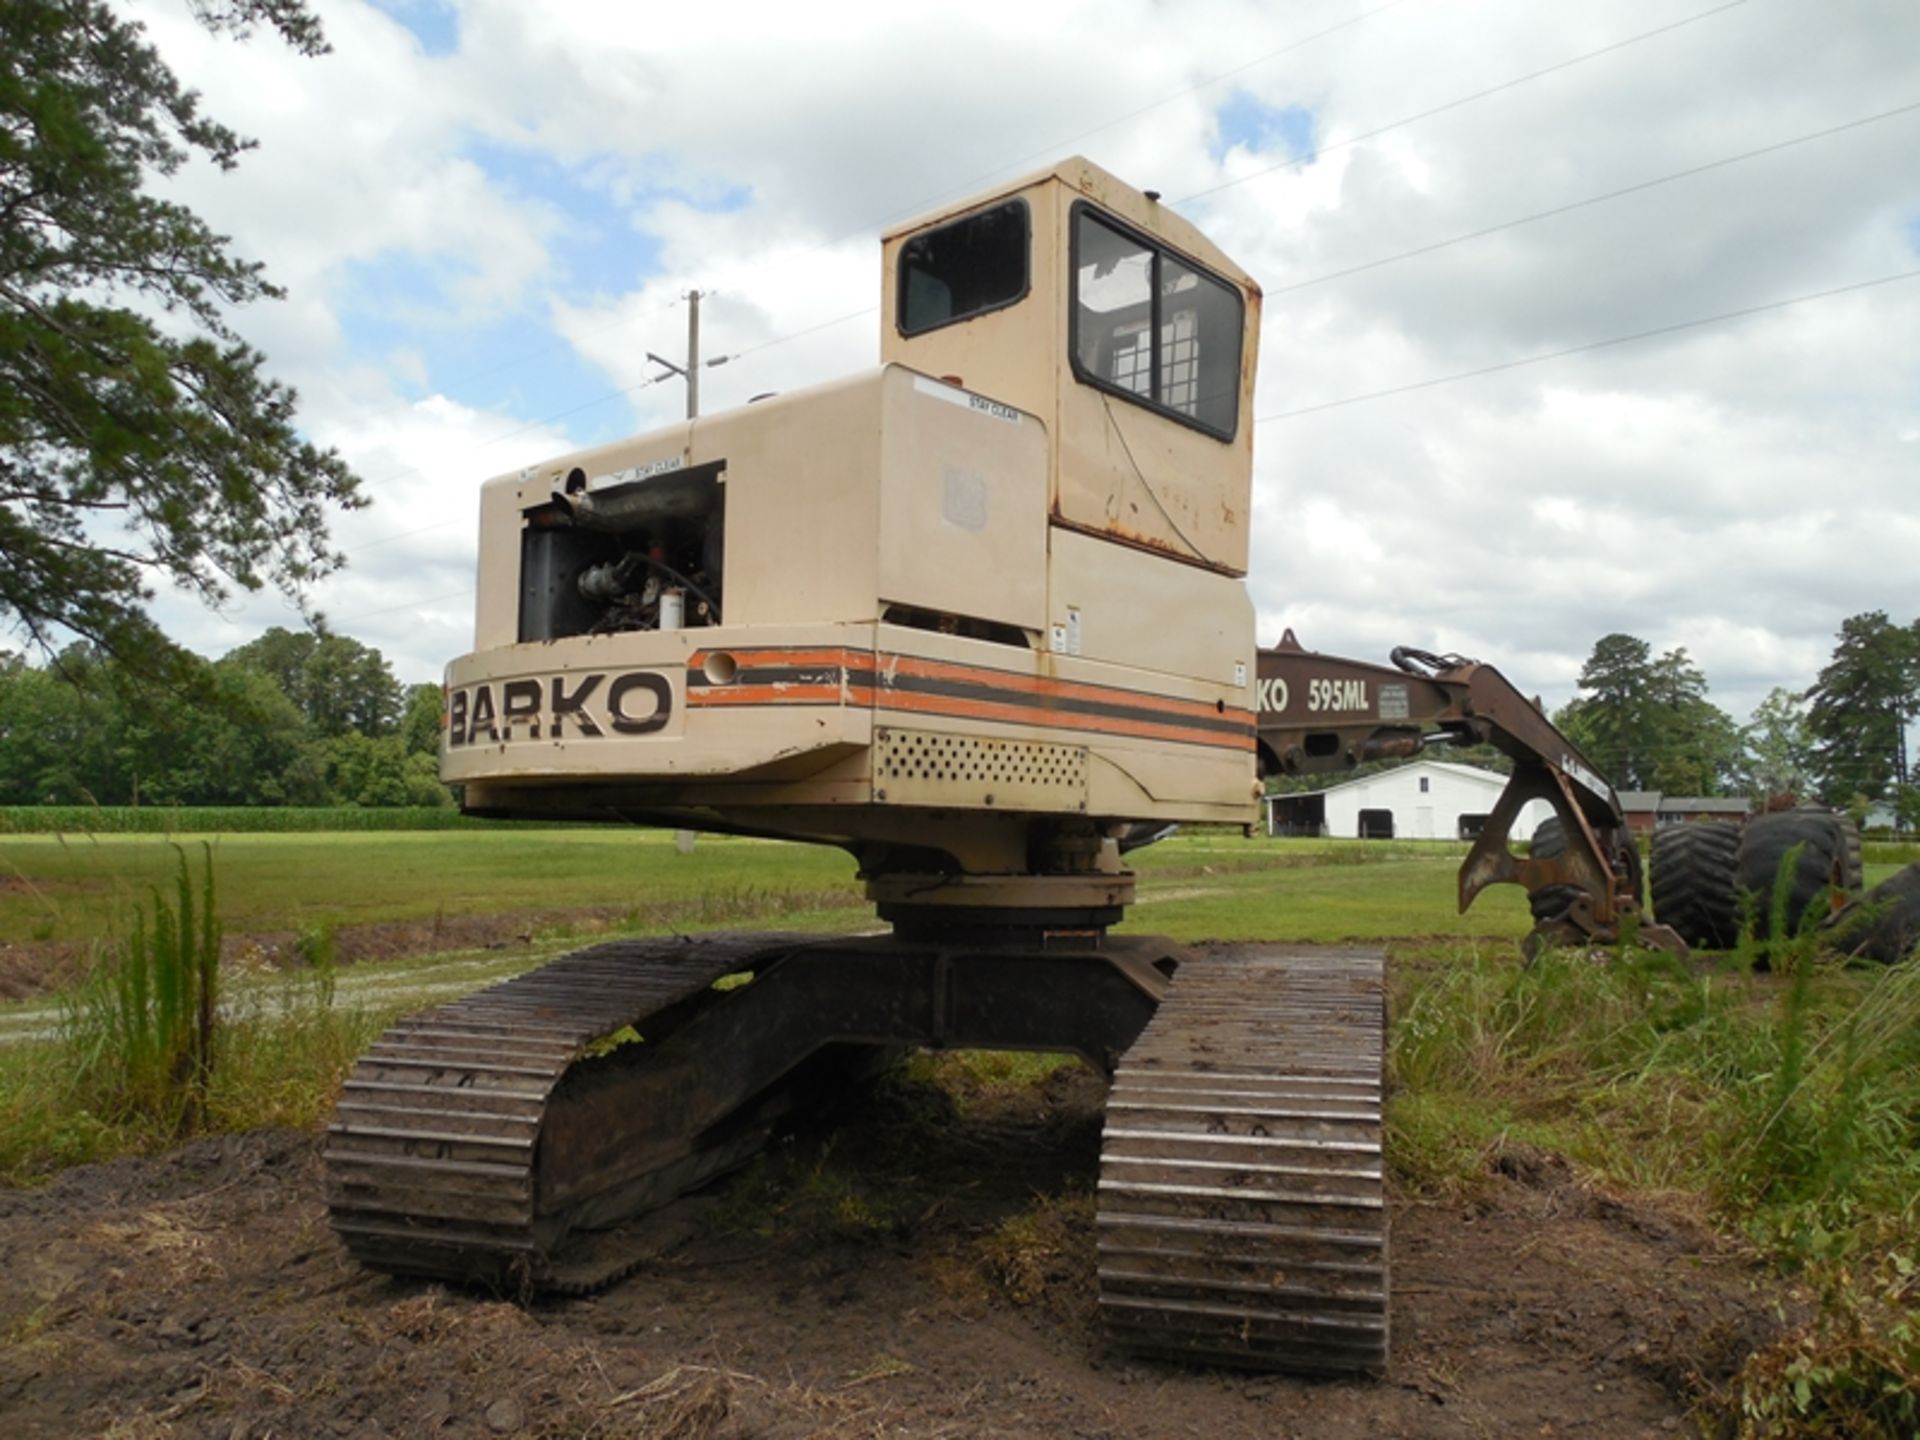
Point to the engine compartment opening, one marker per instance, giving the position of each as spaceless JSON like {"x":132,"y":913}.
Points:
{"x":632,"y":552}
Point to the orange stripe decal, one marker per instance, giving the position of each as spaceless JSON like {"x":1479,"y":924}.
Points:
{"x":911,"y":684}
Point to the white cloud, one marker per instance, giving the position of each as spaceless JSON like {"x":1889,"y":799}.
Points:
{"x":1737,"y":489}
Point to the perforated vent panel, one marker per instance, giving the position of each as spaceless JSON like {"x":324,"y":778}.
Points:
{"x":924,"y":767}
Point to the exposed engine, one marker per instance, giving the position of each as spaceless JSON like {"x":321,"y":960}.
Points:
{"x":624,"y":552}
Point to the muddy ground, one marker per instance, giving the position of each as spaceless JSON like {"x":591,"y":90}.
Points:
{"x":923,"y":1268}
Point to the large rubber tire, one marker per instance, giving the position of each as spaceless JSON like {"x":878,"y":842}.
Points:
{"x":1693,"y":882}
{"x":1821,"y":868}
{"x":1884,"y":924}
{"x":1551,"y":901}
{"x":1856,"y":869}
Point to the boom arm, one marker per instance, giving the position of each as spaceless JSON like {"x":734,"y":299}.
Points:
{"x":1321,"y":713}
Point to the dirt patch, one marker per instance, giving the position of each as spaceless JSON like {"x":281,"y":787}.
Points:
{"x":920,"y":1269}
{"x":30,"y":968}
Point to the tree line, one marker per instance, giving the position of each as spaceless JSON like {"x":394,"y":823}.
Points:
{"x":1646,"y":720}
{"x":292,"y":718}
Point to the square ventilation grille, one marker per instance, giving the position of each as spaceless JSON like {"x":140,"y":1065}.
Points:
{"x":925,"y":767}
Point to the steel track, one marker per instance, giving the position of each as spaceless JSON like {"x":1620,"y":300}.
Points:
{"x":1241,"y":1213}
{"x":505,"y":1137}
{"x":433,"y":1160}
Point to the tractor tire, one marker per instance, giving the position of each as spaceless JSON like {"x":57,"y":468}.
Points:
{"x":1552,"y":901}
{"x":1821,"y":868}
{"x":1856,"y":869}
{"x":1693,"y":882}
{"x":1884,"y":924}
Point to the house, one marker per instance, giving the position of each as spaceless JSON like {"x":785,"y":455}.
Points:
{"x":1648,"y":809}
{"x":1426,"y":800}
{"x":1685,"y":809}
{"x":1642,"y":809}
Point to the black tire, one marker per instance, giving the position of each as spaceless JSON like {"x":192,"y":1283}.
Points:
{"x":1553,"y":901}
{"x":1764,"y":843}
{"x":1693,"y":882}
{"x":1856,"y":868}
{"x":1549,"y":839}
{"x":1884,"y":924}
{"x":1550,"y":902}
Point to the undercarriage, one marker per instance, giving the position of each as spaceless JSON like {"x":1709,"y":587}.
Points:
{"x":505,"y":1139}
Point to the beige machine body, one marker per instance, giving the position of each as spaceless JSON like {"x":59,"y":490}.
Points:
{"x":979,"y":617}
{"x":968,"y":614}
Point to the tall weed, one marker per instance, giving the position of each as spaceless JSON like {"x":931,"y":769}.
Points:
{"x":1789,"y":1101}
{"x":140,"y":1029}
{"x":149,"y":1049}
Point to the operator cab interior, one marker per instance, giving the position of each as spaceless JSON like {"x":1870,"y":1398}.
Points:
{"x":1151,"y":328}
{"x":970,"y":266}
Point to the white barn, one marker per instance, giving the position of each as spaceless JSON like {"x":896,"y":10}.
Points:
{"x":1426,"y":800}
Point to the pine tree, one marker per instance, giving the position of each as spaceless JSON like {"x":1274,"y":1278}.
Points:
{"x":1647,"y":722}
{"x":140,"y":441}
{"x":1860,"y":707}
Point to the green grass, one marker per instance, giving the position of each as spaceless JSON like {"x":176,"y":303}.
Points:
{"x":278,"y":1061}
{"x":1783,"y":1107}
{"x":1207,"y":885}
{"x":1786,"y":1107}
{"x":1197,"y":885}
{"x":1220,"y":887}
{"x":140,"y":1030}
{"x":228,"y":819}
{"x":145,"y":1052}
{"x":62,"y":888}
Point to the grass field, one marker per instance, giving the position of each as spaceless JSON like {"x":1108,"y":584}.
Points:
{"x":1785,"y":1107}
{"x":63,"y":888}
{"x":56,"y":887}
{"x":227,"y":819}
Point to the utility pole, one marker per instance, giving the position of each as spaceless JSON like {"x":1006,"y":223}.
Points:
{"x":689,"y":372}
{"x":693,"y":354}
{"x":683,"y":840}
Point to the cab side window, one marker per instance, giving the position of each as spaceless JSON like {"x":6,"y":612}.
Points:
{"x":965,"y":268}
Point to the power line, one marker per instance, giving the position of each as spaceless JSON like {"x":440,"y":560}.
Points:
{"x":403,"y":605}
{"x":1462,"y":100}
{"x":966,"y":186}
{"x":1130,"y":115}
{"x":1571,"y":206}
{"x":480,"y":445}
{"x":1590,"y":346}
{"x":903,"y":212}
{"x":797,"y":334}
{"x":556,"y":344}
{"x":588,"y":405}
{"x":398,"y":535}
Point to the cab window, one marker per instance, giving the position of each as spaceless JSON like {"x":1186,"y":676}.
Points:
{"x":1152,"y":328}
{"x":965,"y":268}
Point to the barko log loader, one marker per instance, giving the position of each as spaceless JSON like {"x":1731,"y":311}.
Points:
{"x":977,"y":616}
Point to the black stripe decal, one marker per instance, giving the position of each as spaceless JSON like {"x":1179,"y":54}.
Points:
{"x":971,"y":690}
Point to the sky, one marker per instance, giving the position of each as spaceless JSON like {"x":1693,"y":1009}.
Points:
{"x":1500,"y":410}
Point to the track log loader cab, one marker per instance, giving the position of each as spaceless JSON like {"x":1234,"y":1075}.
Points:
{"x":977,"y":616}
{"x":968,"y":615}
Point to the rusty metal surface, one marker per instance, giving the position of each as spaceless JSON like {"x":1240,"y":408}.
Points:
{"x":1324,"y":714}
{"x":1242,"y":1217}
